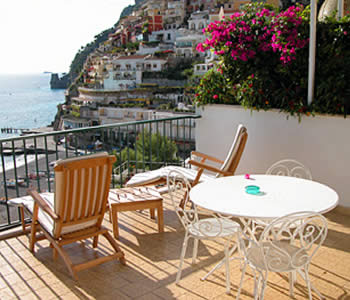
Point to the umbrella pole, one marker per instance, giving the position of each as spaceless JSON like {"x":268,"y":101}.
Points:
{"x":312,"y":52}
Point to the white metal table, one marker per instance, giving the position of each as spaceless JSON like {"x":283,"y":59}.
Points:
{"x":279,"y":195}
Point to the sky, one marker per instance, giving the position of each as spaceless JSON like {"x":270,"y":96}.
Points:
{"x":45,"y":35}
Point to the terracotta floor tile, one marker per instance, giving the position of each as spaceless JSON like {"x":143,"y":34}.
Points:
{"x":152,"y":265}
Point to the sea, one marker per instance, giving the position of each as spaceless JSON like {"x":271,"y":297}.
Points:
{"x":26,"y":102}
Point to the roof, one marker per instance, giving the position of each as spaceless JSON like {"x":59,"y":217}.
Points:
{"x":132,"y":57}
{"x":156,"y":58}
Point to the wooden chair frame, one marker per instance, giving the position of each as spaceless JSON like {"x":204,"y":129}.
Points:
{"x":69,"y":214}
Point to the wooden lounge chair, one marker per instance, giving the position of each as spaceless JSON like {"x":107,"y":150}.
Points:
{"x":76,"y":210}
{"x":195,"y":175}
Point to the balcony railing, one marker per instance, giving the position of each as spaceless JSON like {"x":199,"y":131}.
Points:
{"x":27,"y":161}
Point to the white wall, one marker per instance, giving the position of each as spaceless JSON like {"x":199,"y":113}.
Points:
{"x":321,"y":143}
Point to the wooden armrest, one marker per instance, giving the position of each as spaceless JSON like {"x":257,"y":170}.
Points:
{"x":206,"y":156}
{"x":208,"y":167}
{"x":43,"y":204}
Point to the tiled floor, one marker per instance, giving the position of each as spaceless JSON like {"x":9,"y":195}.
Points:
{"x":152,"y":260}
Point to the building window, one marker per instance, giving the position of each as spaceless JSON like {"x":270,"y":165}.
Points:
{"x":169,"y":36}
{"x":128,"y":67}
{"x":154,"y":66}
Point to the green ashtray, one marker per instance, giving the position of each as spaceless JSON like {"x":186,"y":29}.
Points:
{"x":252,"y":189}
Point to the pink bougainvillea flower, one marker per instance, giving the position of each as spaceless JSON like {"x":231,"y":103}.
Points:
{"x":247,"y":176}
{"x":215,"y":96}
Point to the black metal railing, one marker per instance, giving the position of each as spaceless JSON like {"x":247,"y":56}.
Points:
{"x":27,"y":161}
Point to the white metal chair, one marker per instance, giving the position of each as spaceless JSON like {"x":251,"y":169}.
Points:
{"x":289,"y":167}
{"x":284,"y":167}
{"x":213,"y":227}
{"x":286,"y":245}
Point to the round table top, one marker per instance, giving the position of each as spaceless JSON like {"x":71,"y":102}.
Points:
{"x":279,"y":195}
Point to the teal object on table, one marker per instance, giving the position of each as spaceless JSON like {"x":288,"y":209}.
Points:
{"x":252,"y":189}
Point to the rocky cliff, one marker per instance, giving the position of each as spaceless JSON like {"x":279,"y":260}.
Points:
{"x":59,"y":83}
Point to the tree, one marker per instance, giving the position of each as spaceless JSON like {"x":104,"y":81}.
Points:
{"x":150,"y":151}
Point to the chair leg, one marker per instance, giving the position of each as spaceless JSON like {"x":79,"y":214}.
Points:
{"x":95,"y":241}
{"x":116,"y":247}
{"x":227,"y":268}
{"x":241,"y":281}
{"x":195,"y":251}
{"x":22,"y":218}
{"x":66,"y":260}
{"x":182,"y":257}
{"x":291,"y":283}
{"x":262,"y":281}
{"x":32,"y":239}
{"x":256,"y":286}
{"x":54,"y":253}
{"x":220,"y":263}
{"x":110,"y":214}
{"x":307,"y":279}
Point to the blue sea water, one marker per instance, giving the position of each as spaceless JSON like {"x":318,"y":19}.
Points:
{"x":26,"y":101}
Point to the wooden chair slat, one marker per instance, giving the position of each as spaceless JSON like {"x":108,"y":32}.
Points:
{"x":92,"y":189}
{"x":80,"y":209}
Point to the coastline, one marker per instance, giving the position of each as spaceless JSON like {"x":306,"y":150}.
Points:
{"x":28,"y":171}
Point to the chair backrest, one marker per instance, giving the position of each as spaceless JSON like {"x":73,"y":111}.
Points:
{"x":234,"y":154}
{"x":290,"y":167}
{"x":290,"y":242}
{"x":81,"y":191}
{"x":179,"y":190}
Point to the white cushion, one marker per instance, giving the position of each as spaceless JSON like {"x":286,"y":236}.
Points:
{"x":20,"y":200}
{"x":44,"y":219}
{"x":162,"y":173}
{"x":233,"y":150}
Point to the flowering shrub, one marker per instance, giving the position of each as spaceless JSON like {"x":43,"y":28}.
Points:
{"x":287,"y":37}
{"x":214,"y":89}
{"x":263,"y":59}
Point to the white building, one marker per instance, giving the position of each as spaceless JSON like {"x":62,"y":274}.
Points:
{"x":174,"y":14}
{"x":186,"y":43}
{"x":110,"y":115}
{"x":145,"y":49}
{"x":154,"y":64}
{"x":127,"y":71}
{"x":180,"y":128}
{"x":198,"y":20}
{"x":201,"y":69}
{"x":165,"y":36}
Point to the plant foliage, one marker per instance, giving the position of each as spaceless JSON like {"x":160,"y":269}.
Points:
{"x":263,"y":61}
{"x":153,"y":148}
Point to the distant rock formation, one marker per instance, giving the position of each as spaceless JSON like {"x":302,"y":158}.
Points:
{"x":59,"y":83}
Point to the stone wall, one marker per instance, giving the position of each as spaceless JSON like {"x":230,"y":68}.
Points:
{"x":165,"y":82}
